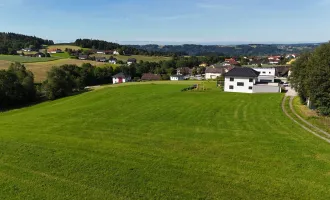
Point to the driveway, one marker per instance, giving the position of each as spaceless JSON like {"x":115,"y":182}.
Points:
{"x":290,"y":92}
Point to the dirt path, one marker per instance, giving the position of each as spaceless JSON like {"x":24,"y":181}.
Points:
{"x":300,"y":124}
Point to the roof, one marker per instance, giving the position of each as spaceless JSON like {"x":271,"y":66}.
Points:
{"x":100,"y":58}
{"x":83,"y":56}
{"x":119,"y":75}
{"x":149,"y":76}
{"x":113,"y":59}
{"x":242,"y":72}
{"x":214,"y":70}
{"x":131,"y":60}
{"x":179,"y":76}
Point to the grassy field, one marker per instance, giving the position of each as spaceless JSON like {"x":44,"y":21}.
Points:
{"x":23,"y":59}
{"x":311,"y":115}
{"x":154,"y":142}
{"x":40,"y":69}
{"x":63,"y":47}
{"x":137,"y":57}
{"x":60,"y":55}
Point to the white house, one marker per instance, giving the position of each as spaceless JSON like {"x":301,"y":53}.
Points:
{"x":177,"y":78}
{"x":120,"y":78}
{"x":100,"y":52}
{"x":131,"y":61}
{"x":245,"y":80}
{"x":267,"y":75}
{"x":113,"y":60}
{"x":115,"y":52}
{"x":213,"y":73}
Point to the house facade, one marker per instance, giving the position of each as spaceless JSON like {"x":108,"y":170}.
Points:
{"x":120,"y":78}
{"x":131,"y":61}
{"x":245,"y":80}
{"x":177,"y":78}
{"x":55,"y":51}
{"x":213,"y":73}
{"x":267,"y":75}
{"x":113,"y":60}
{"x":101,"y":59}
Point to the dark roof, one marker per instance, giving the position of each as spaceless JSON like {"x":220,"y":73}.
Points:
{"x":100,"y":58}
{"x":113,"y":59}
{"x":131,"y":60}
{"x":177,"y":76}
{"x":119,"y":75}
{"x":214,"y":70}
{"x":83,"y":56}
{"x":243,"y":72}
{"x":151,"y":77}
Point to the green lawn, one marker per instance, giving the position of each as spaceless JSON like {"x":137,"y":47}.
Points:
{"x":60,"y":55}
{"x":23,"y":59}
{"x":152,"y":141}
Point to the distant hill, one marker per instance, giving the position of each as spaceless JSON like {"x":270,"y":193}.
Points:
{"x":11,"y":42}
{"x":230,"y":50}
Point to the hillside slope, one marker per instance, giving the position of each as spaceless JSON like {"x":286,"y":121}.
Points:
{"x":155,"y":142}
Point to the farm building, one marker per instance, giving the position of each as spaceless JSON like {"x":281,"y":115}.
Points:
{"x":54,"y":51}
{"x":245,"y":80}
{"x":100,"y":52}
{"x":39,"y":55}
{"x":184,"y":71}
{"x":177,"y":78}
{"x":120,"y":78}
{"x":151,"y":77}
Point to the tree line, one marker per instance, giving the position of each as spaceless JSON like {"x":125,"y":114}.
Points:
{"x":122,"y":49}
{"x":311,"y":78}
{"x":11,"y":42}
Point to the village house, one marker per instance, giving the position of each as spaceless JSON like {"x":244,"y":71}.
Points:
{"x":27,"y":49}
{"x":203,"y":65}
{"x":113,"y":60}
{"x":131,"y":61}
{"x":267,"y":75}
{"x":101,"y":59}
{"x":177,"y":78}
{"x":83,"y":57}
{"x":100,"y":52}
{"x":39,"y":55}
{"x":120,"y":78}
{"x":213,"y":73}
{"x":115,"y":52}
{"x":151,"y":77}
{"x":274,"y":60}
{"x":245,"y":80}
{"x":184,"y":71}
{"x":230,"y":61}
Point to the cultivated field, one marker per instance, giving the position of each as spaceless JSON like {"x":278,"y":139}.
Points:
{"x":40,"y":69}
{"x":137,"y":57}
{"x":23,"y":59}
{"x":152,"y":141}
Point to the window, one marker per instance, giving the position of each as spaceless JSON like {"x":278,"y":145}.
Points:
{"x":251,"y":80}
{"x":264,"y":72}
{"x":231,"y":87}
{"x":231,"y":79}
{"x":250,"y":88}
{"x":270,"y":72}
{"x":240,"y":84}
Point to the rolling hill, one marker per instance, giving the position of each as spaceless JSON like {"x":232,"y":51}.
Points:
{"x":152,"y":141}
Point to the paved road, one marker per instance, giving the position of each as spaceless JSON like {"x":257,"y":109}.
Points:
{"x":290,"y":92}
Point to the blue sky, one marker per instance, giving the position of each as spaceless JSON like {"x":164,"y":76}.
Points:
{"x":193,"y":21}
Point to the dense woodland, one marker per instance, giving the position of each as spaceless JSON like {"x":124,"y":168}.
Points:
{"x":311,"y":78}
{"x":128,"y":50}
{"x":11,"y":42}
{"x":230,"y":50}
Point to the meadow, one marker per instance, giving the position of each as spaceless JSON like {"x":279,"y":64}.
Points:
{"x":63,"y":47}
{"x":40,"y":69}
{"x":23,"y":59}
{"x":151,"y":141}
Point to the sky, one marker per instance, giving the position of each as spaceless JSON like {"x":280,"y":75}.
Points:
{"x":170,"y":21}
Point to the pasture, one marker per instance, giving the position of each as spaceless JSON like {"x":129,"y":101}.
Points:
{"x":137,"y":57}
{"x":40,"y":69}
{"x":23,"y":59}
{"x":63,"y":47}
{"x":151,"y":141}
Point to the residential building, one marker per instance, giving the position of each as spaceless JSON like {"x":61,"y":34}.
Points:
{"x":39,"y":55}
{"x":131,"y":61}
{"x":267,"y":75}
{"x":115,"y":52}
{"x":54,"y":51}
{"x":101,"y":59}
{"x":213,"y":73}
{"x":113,"y":60}
{"x":83,"y":57}
{"x":230,"y":61}
{"x":245,"y":80}
{"x":120,"y":78}
{"x":177,"y":78}
{"x":100,"y":52}
{"x":184,"y":71}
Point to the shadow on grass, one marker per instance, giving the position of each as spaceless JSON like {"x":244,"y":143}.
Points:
{"x":41,"y":99}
